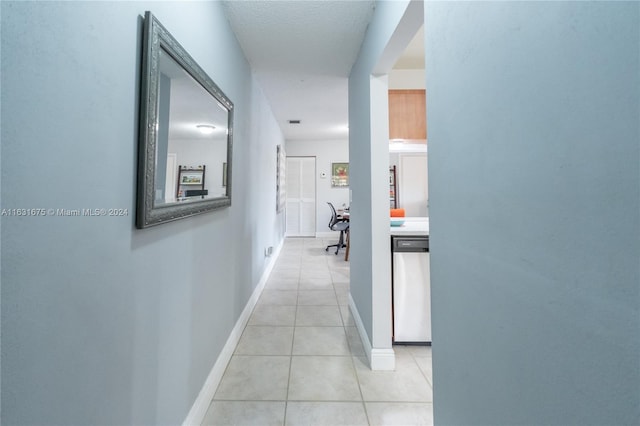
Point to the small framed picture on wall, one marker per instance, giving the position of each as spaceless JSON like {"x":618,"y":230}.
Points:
{"x":339,"y":175}
{"x":191,"y":178}
{"x":281,"y":194}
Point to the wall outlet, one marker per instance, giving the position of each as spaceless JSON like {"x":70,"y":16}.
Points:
{"x":268,"y":251}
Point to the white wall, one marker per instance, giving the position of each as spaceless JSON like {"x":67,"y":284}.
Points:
{"x":534,"y":179}
{"x":103,"y":323}
{"x":208,"y":152}
{"x":402,"y":79}
{"x":326,"y":152}
{"x":413,"y":184}
{"x":411,"y":179}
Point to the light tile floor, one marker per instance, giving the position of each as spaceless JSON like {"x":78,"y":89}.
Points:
{"x":300,"y":360}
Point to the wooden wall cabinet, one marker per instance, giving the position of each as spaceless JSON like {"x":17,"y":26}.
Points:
{"x":407,"y":114}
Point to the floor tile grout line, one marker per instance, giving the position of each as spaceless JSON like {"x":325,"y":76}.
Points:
{"x":293,"y":338}
{"x":350,"y":401}
{"x":346,"y":401}
{"x":351,"y":351}
{"x":355,"y":372}
{"x":422,"y":372}
{"x":344,"y":324}
{"x":233,"y":354}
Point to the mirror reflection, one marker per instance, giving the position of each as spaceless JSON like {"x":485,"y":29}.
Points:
{"x":186,"y":134}
{"x":191,"y":153}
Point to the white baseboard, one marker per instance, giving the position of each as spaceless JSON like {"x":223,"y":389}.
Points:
{"x":360,"y":327}
{"x":328,"y":234}
{"x":379,"y":358}
{"x":383,"y":359}
{"x":201,"y":405}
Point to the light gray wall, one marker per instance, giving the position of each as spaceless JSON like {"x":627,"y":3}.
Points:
{"x":534,"y":200}
{"x":404,"y":79}
{"x":103,"y":323}
{"x":369,"y":153}
{"x":195,"y":152}
{"x":326,"y":152}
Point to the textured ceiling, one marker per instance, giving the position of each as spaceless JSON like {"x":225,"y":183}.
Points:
{"x":302,"y":53}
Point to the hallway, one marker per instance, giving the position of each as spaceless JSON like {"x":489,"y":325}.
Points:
{"x":300,"y":360}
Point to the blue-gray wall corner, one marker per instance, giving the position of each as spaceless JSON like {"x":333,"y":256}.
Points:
{"x":534,"y":211}
{"x":103,"y":323}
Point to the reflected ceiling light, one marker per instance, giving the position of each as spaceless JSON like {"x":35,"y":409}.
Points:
{"x":341,"y":129}
{"x":206,"y":129}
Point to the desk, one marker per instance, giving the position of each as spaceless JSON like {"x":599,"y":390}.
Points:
{"x":344,"y":217}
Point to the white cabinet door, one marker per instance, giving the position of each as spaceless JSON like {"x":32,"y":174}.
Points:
{"x":411,"y":297}
{"x":301,"y":197}
{"x":413,"y":190}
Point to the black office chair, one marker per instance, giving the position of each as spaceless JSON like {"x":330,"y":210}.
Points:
{"x":336,"y":224}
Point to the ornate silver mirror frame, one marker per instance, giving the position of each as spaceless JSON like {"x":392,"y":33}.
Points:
{"x":165,"y":63}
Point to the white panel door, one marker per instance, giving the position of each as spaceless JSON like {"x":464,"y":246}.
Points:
{"x":413,"y":185}
{"x":172,"y":175}
{"x":301,"y":197}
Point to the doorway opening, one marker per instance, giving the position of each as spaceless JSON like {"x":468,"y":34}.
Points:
{"x":301,"y":197}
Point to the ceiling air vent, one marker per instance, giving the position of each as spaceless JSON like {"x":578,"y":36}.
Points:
{"x":294,"y":121}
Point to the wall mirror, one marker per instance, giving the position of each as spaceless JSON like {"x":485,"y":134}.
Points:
{"x":186,"y":134}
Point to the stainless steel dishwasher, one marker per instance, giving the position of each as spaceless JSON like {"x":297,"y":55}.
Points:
{"x":411,"y":290}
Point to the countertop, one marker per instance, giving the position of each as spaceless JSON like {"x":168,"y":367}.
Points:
{"x":412,"y":226}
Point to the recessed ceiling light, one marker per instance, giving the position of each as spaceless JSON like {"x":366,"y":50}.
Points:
{"x":206,"y":129}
